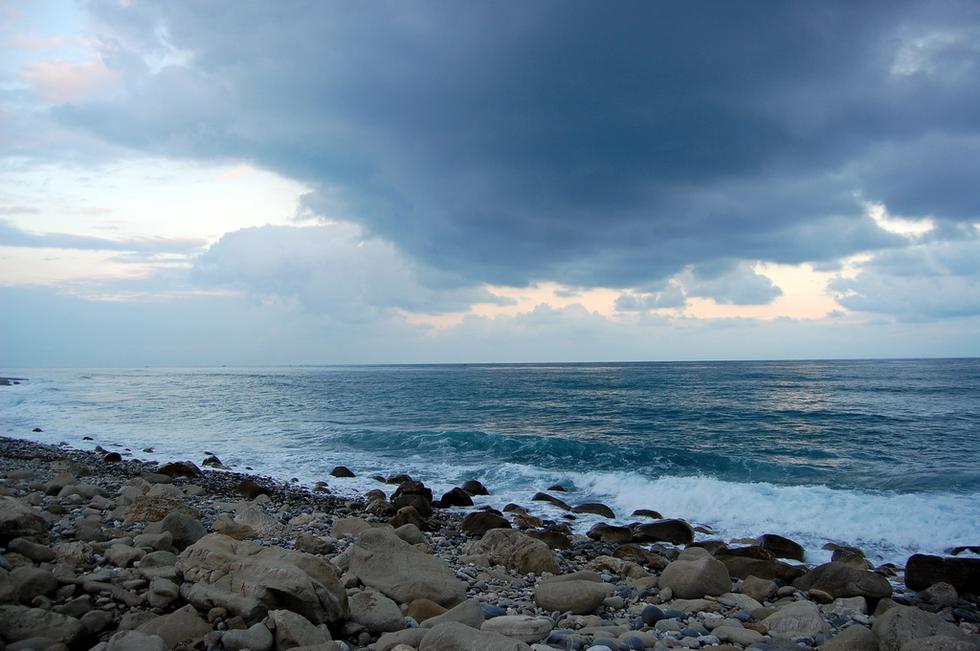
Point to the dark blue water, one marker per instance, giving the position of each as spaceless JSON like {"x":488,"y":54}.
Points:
{"x":883,"y":453}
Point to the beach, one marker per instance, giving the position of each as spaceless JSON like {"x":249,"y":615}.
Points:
{"x":102,"y":550}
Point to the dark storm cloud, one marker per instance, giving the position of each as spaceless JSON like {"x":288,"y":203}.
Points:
{"x":587,"y":143}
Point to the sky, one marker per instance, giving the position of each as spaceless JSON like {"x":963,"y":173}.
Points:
{"x":201,"y":183}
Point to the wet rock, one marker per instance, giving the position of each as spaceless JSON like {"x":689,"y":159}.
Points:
{"x":478,"y":523}
{"x":553,"y":539}
{"x":180,"y":469}
{"x":609,"y":533}
{"x":551,"y":499}
{"x":695,"y":574}
{"x":473,"y":487}
{"x":211,"y":461}
{"x":248,"y":580}
{"x":342,"y":471}
{"x":405,"y":516}
{"x":673,"y":531}
{"x":595,"y":508}
{"x":841,"y":580}
{"x":250,"y":489}
{"x":743,"y":567}
{"x":646,"y":513}
{"x":455,"y":497}
{"x":514,"y":550}
{"x":376,"y":612}
{"x":781,"y":547}
{"x":940,"y":594}
{"x":112,"y":457}
{"x":923,"y":570}
{"x":386,"y":563}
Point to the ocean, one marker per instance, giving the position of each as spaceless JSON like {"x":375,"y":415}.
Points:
{"x":884,"y":455}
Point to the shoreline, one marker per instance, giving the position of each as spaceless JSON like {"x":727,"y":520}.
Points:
{"x":100,"y":545}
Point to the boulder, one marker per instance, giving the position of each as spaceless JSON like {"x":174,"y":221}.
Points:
{"x":32,"y":550}
{"x":293,"y":630}
{"x":901,"y":624}
{"x":257,"y":637}
{"x":797,"y":619}
{"x":410,"y":533}
{"x":155,"y":508}
{"x":180,"y":469}
{"x":673,"y":531}
{"x":781,"y":547}
{"x":123,"y":555}
{"x":342,"y":471}
{"x":737,"y":634}
{"x":349,"y":527}
{"x":312,"y":544}
{"x":940,"y":594}
{"x":29,"y":582}
{"x":407,"y":515}
{"x":21,"y":623}
{"x":520,"y":627}
{"x":183,"y":625}
{"x":248,"y":580}
{"x":852,"y":638}
{"x":923,"y":570}
{"x":553,"y":539}
{"x":939,"y":643}
{"x":375,"y":612}
{"x":759,"y":589}
{"x":473,"y":487}
{"x":578,"y":596}
{"x":610,"y":533}
{"x":763,"y":569}
{"x":455,"y":497}
{"x":410,"y":637}
{"x":263,"y":524}
{"x":162,"y":593}
{"x":469,"y":613}
{"x":551,"y":499}
{"x":842,"y":580}
{"x":478,"y":523}
{"x":595,"y":508}
{"x":514,"y":550}
{"x":695,"y":574}
{"x":381,"y":560}
{"x":453,"y":636}
{"x":19,"y":520}
{"x":136,"y":641}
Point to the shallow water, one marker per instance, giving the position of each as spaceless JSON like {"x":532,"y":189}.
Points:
{"x":882,"y":454}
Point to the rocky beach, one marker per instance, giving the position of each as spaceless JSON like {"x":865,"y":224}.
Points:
{"x":104,"y":551}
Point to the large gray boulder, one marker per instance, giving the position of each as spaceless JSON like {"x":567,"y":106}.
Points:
{"x":376,"y":612}
{"x":696,"y":573}
{"x":939,"y":643}
{"x":901,"y":624}
{"x":21,"y":623}
{"x":514,"y":550}
{"x":19,"y":520}
{"x":469,"y":612}
{"x":383,"y":561}
{"x":183,"y":625}
{"x":249,"y":580}
{"x":843,"y":580}
{"x":520,"y":627}
{"x":294,"y":630}
{"x":798,"y":619}
{"x":852,"y":638}
{"x":136,"y":641}
{"x":574,"y":593}
{"x":453,"y":636}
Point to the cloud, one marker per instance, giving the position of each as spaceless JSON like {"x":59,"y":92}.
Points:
{"x":566,"y":141}
{"x":731,"y":283}
{"x":66,"y":81}
{"x":670,"y":297}
{"x":331,"y":269}
{"x":924,"y":282}
{"x":11,"y":235}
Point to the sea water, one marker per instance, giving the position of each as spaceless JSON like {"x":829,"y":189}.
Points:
{"x":884,"y":455}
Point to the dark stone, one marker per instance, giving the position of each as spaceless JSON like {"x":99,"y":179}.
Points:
{"x":37,"y":430}
{"x":646,"y":513}
{"x":609,"y":533}
{"x":87,"y":438}
{"x":641,"y":556}
{"x":398,"y":479}
{"x":408,"y":515}
{"x":713,"y":546}
{"x":342,"y":471}
{"x":674,"y":531}
{"x":412,"y":487}
{"x":558,"y":488}
{"x":455,"y":497}
{"x":923,"y":570}
{"x":651,"y":615}
{"x":478,"y":523}
{"x":742,"y":567}
{"x":490,"y":611}
{"x":249,"y":489}
{"x":112,"y":457}
{"x":179,"y":469}
{"x":956,"y":551}
{"x":473,"y":487}
{"x":596,"y":509}
{"x":544,"y":497}
{"x":422,"y":505}
{"x":514,"y":507}
{"x":782,"y":547}
{"x":212,"y":461}
{"x":550,"y":537}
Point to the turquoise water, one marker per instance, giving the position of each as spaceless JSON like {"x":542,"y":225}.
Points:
{"x":884,"y":454}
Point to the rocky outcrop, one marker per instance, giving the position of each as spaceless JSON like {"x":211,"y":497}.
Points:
{"x":19,"y":520}
{"x":842,"y":580}
{"x":923,"y":570}
{"x":249,"y":580}
{"x":673,"y":531}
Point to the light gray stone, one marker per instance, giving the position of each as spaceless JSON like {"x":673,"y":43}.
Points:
{"x":852,"y":638}
{"x":182,"y":625}
{"x":901,"y":624}
{"x":797,"y":619}
{"x":579,"y":597}
{"x":292,"y":630}
{"x":376,"y":612}
{"x":256,"y":637}
{"x":696,"y":573}
{"x":514,"y":550}
{"x":135,"y":641}
{"x":469,"y":613}
{"x":520,"y":627}
{"x":453,"y":636}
